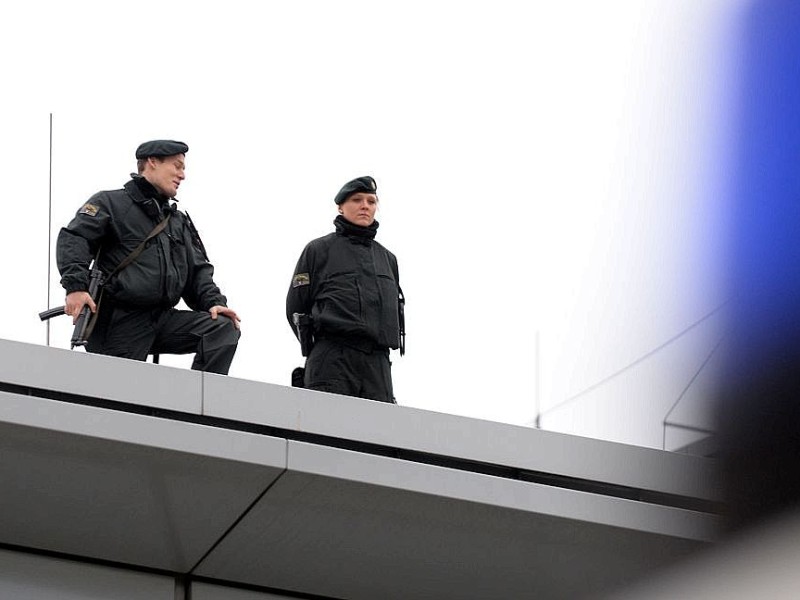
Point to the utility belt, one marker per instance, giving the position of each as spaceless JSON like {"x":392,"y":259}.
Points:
{"x":304,"y":326}
{"x":361,"y":344}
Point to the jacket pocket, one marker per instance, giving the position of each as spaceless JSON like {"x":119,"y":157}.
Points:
{"x":340,"y":303}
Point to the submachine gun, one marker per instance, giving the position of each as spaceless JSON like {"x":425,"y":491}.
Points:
{"x":85,"y":322}
{"x":81,"y":331}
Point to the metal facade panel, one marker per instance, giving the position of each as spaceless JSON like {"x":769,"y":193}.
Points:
{"x":32,"y":577}
{"x":347,"y":525}
{"x":460,"y":437}
{"x":119,"y":379}
{"x":207,"y":591}
{"x":123,"y":487}
{"x":304,"y":516}
{"x":502,"y":493}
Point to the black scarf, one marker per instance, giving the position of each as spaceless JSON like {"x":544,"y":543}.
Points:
{"x":356,"y":233}
{"x":156,"y":203}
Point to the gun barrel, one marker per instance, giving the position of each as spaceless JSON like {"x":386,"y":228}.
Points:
{"x":51,"y":312}
{"x":79,"y":333}
{"x":96,"y":281}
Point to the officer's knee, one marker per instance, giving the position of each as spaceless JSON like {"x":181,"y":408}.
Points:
{"x":223,"y":333}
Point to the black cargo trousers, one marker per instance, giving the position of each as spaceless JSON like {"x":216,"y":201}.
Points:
{"x":130,"y":332}
{"x":358,"y":370}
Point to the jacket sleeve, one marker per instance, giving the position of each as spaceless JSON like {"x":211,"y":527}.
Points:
{"x":200,"y":292}
{"x":395,"y":270}
{"x":79,"y":241}
{"x":300,"y":297}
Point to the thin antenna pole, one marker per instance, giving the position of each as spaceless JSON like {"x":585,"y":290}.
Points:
{"x":49,"y":221}
{"x":537,"y":373}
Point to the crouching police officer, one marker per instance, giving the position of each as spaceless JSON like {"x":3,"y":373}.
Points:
{"x":151,"y":257}
{"x":345,"y":302}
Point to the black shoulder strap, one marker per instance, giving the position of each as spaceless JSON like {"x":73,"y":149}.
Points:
{"x":138,"y":250}
{"x":125,"y":262}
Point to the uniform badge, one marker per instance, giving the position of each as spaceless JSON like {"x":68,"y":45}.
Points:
{"x":88,"y":209}
{"x":301,"y":279}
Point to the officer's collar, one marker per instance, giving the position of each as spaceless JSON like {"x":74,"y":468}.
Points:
{"x":148,"y":190}
{"x":356,"y":232}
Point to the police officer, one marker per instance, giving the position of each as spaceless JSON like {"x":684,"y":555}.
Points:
{"x":348,"y":283}
{"x":135,"y":314}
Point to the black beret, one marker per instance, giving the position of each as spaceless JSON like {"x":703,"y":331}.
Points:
{"x":360,"y":184}
{"x":161,"y":148}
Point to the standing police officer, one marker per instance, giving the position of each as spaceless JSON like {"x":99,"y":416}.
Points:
{"x":152,"y":256}
{"x":349,"y":286}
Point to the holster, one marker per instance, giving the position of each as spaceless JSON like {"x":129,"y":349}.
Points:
{"x":304,"y":325}
{"x":298,"y":377}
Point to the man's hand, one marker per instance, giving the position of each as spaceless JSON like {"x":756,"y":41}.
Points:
{"x":228,"y":312}
{"x":74,"y":303}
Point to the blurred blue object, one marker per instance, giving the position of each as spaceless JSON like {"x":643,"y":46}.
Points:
{"x":759,"y":403}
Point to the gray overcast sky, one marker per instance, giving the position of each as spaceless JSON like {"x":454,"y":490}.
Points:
{"x":550,"y":168}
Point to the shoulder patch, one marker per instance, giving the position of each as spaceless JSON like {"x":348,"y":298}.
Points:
{"x":300,"y":279}
{"x":88,"y":209}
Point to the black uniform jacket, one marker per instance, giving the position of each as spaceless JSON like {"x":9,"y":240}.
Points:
{"x":349,"y":284}
{"x":171,"y":266}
